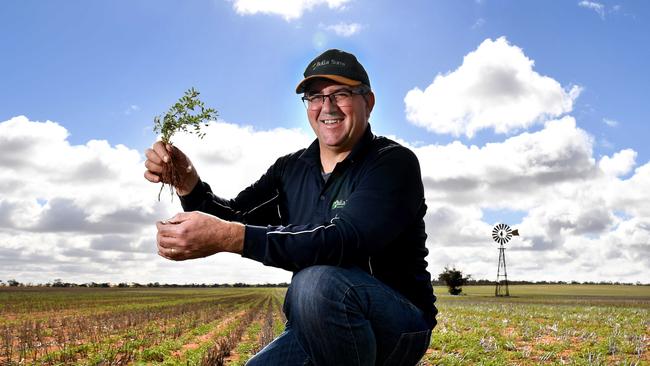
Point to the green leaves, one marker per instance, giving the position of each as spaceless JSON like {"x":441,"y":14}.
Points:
{"x":188,"y":114}
{"x":454,"y":280}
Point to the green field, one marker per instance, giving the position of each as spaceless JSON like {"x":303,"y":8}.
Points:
{"x":543,"y":324}
{"x":537,"y":324}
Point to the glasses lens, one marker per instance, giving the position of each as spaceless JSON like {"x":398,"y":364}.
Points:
{"x":313,"y":102}
{"x":340,"y":98}
{"x":343,"y":99}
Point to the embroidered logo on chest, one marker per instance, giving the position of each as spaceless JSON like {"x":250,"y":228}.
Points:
{"x":338,"y":204}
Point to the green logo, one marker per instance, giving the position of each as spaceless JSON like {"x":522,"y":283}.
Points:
{"x":338,"y":204}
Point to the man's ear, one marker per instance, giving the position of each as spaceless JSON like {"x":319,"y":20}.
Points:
{"x":370,"y":103}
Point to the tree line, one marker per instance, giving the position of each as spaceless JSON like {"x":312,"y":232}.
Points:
{"x":450,"y":277}
{"x":454,"y":279}
{"x":473,"y":282}
{"x":60,"y":283}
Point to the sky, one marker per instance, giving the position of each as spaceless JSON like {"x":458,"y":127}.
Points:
{"x":529,"y":113}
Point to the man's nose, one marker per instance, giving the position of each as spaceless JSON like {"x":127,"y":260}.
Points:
{"x":329,"y":104}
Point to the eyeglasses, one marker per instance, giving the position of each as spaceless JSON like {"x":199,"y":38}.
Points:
{"x":342,"y":98}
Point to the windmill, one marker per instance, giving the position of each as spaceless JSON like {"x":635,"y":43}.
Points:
{"x":502,"y":235}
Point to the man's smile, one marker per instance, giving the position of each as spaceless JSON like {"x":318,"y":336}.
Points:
{"x":331,"y":121}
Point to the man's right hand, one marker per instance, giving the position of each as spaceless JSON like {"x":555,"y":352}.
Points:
{"x":159,"y":155}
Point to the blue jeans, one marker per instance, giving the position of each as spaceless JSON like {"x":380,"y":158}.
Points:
{"x":344,"y":316}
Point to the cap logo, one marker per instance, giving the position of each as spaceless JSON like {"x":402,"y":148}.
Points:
{"x":327,"y":62}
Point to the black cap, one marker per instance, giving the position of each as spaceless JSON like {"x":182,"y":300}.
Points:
{"x":335,"y":65}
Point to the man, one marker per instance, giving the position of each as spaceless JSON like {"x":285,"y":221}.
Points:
{"x":345,"y":215}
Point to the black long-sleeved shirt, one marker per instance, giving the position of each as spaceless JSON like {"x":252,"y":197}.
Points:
{"x":368,"y":213}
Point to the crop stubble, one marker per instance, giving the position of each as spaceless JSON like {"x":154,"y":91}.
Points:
{"x":550,"y":325}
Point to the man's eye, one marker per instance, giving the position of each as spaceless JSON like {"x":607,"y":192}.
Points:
{"x":341,"y":95}
{"x":315,"y":98}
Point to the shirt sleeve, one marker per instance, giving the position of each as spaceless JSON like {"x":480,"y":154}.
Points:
{"x":388,"y":199}
{"x":257,"y":204}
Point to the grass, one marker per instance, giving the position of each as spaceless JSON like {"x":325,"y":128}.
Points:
{"x":543,"y":324}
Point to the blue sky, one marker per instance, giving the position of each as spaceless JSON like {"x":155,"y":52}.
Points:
{"x":102,"y":70}
{"x":85,"y":64}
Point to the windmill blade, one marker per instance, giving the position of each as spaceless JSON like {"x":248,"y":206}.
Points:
{"x":502,"y":233}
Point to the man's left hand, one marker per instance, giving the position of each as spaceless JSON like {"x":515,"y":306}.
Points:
{"x":190,"y":235}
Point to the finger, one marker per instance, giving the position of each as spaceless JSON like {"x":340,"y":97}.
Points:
{"x":180,"y":217}
{"x":162,"y":250}
{"x":163,"y":241}
{"x":166,"y":231}
{"x":151,"y":177}
{"x":153,"y":167}
{"x":169,"y":254}
{"x":159,"y":148}
{"x":162,"y":254}
{"x":153,"y":156}
{"x":170,"y":248}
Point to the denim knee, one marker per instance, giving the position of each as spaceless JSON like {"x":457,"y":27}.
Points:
{"x":314,"y":288}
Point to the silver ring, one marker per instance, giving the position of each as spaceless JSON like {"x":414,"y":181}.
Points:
{"x":173,"y":250}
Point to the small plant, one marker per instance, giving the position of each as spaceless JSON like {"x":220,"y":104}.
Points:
{"x":188,"y":115}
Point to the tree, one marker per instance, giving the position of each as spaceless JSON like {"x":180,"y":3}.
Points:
{"x":13,"y":283}
{"x":454,"y":280}
{"x":58,"y":283}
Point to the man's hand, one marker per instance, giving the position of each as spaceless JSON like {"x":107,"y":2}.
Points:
{"x":195,"y":234}
{"x":160,"y":154}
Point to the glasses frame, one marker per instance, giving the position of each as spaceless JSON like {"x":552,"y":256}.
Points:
{"x":308,"y":101}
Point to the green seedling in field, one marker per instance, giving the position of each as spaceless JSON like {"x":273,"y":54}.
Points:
{"x":537,"y":325}
{"x":189,"y":114}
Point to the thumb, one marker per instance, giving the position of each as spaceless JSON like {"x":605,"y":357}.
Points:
{"x":179,"y":217}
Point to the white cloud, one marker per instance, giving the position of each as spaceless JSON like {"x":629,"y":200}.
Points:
{"x":288,"y":9}
{"x":610,"y":122}
{"x":630,"y":196}
{"x":495,"y":88}
{"x":597,"y":7}
{"x":619,"y":164}
{"x":573,"y":206}
{"x":344,"y":29}
{"x":460,"y":174}
{"x":85,"y":213}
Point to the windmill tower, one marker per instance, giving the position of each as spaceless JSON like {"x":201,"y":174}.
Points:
{"x":502,"y":235}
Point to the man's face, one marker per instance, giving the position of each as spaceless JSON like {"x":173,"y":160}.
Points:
{"x":338,"y":128}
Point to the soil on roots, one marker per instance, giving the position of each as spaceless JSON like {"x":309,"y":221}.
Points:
{"x":170,"y":175}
